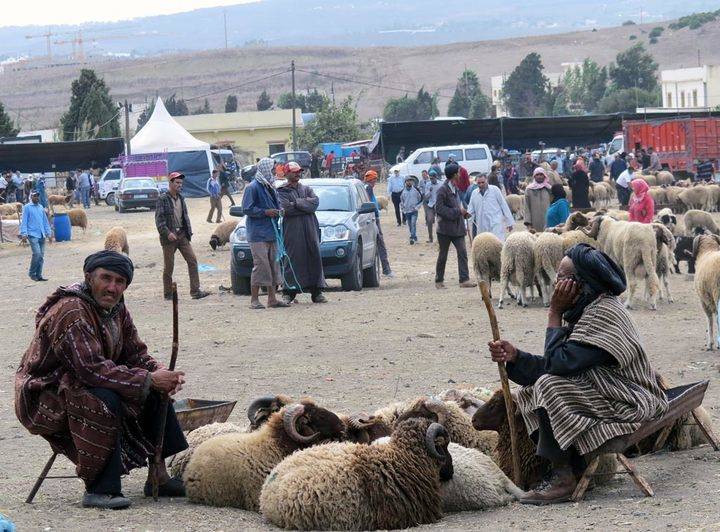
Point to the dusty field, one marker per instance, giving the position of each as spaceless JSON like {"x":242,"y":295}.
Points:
{"x":360,"y":351}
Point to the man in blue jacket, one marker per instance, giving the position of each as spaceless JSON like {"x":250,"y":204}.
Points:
{"x":261,"y":207}
{"x":35,"y":228}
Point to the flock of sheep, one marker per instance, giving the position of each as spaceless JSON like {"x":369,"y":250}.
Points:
{"x":305,"y":467}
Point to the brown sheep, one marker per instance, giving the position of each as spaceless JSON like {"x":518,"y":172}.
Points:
{"x":58,"y":199}
{"x":6,"y":209}
{"x":78,"y":218}
{"x":382,"y":203}
{"x":221,"y":235}
{"x":116,"y":240}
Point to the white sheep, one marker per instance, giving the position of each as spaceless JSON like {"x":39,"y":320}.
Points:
{"x":351,"y":486}
{"x":619,"y":215}
{"x":694,"y":197}
{"x":516,"y":202}
{"x":713,"y":199}
{"x":221,"y":234}
{"x":668,"y":219}
{"x":659,"y":195}
{"x":665,"y":258}
{"x":706,"y":250}
{"x":665,"y":178}
{"x":547,"y":252}
{"x":695,"y":219}
{"x":486,"y":250}
{"x":517,"y":265}
{"x":600,"y":195}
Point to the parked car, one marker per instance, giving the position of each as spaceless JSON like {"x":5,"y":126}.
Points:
{"x":136,"y":192}
{"x":303,"y":158}
{"x":108,"y":184}
{"x":348,"y":237}
{"x":475,"y":158}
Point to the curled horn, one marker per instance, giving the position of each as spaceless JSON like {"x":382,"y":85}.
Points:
{"x":696,"y":245}
{"x":361,"y":421}
{"x":258,"y":406}
{"x":437,"y":407}
{"x":290,"y":419}
{"x":435,"y":431}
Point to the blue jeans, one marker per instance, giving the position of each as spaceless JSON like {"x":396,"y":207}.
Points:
{"x":411,"y":218}
{"x":37,"y":245}
{"x":85,"y":196}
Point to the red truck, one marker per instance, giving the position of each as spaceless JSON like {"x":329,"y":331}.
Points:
{"x":680,"y":142}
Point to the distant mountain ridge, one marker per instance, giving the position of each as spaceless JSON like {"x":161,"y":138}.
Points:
{"x":328,"y":23}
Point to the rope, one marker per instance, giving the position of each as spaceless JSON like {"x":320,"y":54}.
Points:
{"x":282,"y":255}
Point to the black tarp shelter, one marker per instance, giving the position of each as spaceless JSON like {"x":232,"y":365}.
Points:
{"x":59,"y":156}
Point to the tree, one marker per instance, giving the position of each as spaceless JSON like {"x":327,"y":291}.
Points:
{"x":333,"y":123}
{"x":557,"y":102}
{"x":176,"y":107}
{"x":264,"y":102}
{"x":422,"y":107}
{"x":285,"y":101}
{"x":7,"y":127}
{"x":231,"y":103}
{"x":627,"y":100}
{"x":634,"y":67}
{"x":585,"y":85}
{"x":465,"y":91}
{"x":92,"y":113}
{"x":145,"y":116}
{"x":525,"y":91}
{"x":480,"y":106}
{"x":204,"y":110}
{"x":315,"y":102}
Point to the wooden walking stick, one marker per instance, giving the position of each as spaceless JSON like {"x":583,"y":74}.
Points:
{"x":485,"y":291}
{"x":157,"y":459}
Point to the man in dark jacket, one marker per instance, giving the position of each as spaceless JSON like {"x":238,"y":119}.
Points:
{"x":618,"y":166}
{"x":173,"y":224}
{"x":597,"y":168}
{"x":451,"y":227}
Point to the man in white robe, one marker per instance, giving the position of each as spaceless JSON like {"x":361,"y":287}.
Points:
{"x":489,"y":211}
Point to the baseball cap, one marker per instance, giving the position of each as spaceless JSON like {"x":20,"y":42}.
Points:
{"x":176,"y":175}
{"x":292,"y":167}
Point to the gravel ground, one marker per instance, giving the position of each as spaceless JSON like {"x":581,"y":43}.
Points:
{"x":358,"y":352}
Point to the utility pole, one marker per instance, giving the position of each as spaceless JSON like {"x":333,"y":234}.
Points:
{"x":294,"y":101}
{"x":225,"y":24}
{"x":332,"y":91}
{"x":127,"y":129}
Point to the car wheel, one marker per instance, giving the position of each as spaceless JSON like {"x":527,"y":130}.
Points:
{"x":353,"y":280}
{"x":371,"y":276}
{"x":110,"y":199}
{"x":120,"y":208}
{"x":240,"y":285}
{"x":116,"y":207}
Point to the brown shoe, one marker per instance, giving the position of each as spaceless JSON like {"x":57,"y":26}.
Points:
{"x":440,"y":286}
{"x":468,"y":284}
{"x":558,"y":488}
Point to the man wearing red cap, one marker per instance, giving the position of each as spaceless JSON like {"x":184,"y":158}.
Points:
{"x":301,"y":236}
{"x":370,"y":180}
{"x":173,"y":223}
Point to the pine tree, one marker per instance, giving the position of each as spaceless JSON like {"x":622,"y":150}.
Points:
{"x":264,"y":102}
{"x":231,"y":103}
{"x":7,"y":127}
{"x":525,"y":91}
{"x":92,"y":113}
{"x":480,"y":106}
{"x":145,"y":116}
{"x":466,"y":90}
{"x":422,"y":107}
{"x":204,"y":110}
{"x":585,"y":85}
{"x":285,"y":101}
{"x":315,"y":102}
{"x":176,"y":107}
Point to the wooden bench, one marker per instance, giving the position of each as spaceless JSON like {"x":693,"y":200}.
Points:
{"x":682,"y":399}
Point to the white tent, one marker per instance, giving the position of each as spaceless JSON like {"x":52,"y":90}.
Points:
{"x":162,"y":133}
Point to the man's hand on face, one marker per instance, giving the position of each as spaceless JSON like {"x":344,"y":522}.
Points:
{"x":166,"y":381}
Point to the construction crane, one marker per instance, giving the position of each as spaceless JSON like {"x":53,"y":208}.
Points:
{"x":47,"y":36}
{"x":78,"y":41}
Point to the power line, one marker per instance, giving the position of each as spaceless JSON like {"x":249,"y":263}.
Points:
{"x":226,"y":89}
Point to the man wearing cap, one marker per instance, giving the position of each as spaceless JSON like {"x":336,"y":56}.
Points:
{"x":173,"y":224}
{"x":213,"y":188}
{"x":301,"y":236}
{"x":429,"y":199}
{"x":370,"y":179}
{"x":35,"y":228}
{"x":88,"y":386}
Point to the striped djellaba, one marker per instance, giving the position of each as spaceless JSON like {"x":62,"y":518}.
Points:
{"x":590,"y":408}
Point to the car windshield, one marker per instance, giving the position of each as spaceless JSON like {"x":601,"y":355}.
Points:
{"x":138,"y":183}
{"x":333,"y":198}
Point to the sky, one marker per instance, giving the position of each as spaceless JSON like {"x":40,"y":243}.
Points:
{"x":52,"y":12}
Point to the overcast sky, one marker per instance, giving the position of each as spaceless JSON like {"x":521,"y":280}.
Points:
{"x":51,"y":12}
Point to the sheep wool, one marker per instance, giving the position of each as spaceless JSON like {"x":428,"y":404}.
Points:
{"x":221,"y":235}
{"x":665,"y":178}
{"x":694,"y":197}
{"x":706,"y":250}
{"x":382,"y":202}
{"x":516,"y":202}
{"x":486,"y":250}
{"x":517,"y":265}
{"x":695,"y":219}
{"x":178,"y":462}
{"x":116,"y":240}
{"x":548,"y":252}
{"x":78,"y":218}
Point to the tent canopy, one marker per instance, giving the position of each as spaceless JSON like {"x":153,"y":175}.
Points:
{"x":162,"y":133}
{"x":59,"y":156}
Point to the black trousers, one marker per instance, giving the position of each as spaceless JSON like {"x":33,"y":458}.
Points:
{"x":548,"y":447}
{"x":444,"y":242}
{"x":395,"y":196}
{"x":623,"y":195}
{"x":314,"y":291}
{"x":108,"y":481}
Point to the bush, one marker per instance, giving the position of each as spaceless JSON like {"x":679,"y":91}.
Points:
{"x":629,"y":23}
{"x":656,"y":32}
{"x":653,"y":40}
{"x":695,"y":20}
{"x":633,"y":37}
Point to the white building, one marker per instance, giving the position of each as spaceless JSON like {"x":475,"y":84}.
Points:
{"x":691,"y":88}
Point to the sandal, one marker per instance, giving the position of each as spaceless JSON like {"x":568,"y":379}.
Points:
{"x":257,"y":306}
{"x":279,"y":304}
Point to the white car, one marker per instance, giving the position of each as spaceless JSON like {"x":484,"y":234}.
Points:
{"x":475,"y":158}
{"x":108,"y":184}
{"x":549,"y":154}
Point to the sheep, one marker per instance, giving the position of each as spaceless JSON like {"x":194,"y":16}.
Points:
{"x":575,"y":220}
{"x":493,"y":416}
{"x":7,"y":209}
{"x":221,"y":235}
{"x":695,"y":219}
{"x":229,"y":470}
{"x":633,"y":246}
{"x":467,"y":398}
{"x":668,"y":219}
{"x":116,"y":240}
{"x":13,"y":216}
{"x":694,"y":197}
{"x":486,"y":250}
{"x":673,"y":198}
{"x":351,"y":486}
{"x":665,"y":254}
{"x":58,"y":199}
{"x":382,"y":202}
{"x":78,"y":218}
{"x":658,"y":195}
{"x":600,"y":195}
{"x":651,"y":180}
{"x":258,"y":413}
{"x":713,"y":198}
{"x":684,"y":434}
{"x":665,"y":178}
{"x":516,"y":202}
{"x":619,"y":215}
{"x":568,"y":193}
{"x":517,"y":265}
{"x":706,"y":251}
{"x":547,"y":252}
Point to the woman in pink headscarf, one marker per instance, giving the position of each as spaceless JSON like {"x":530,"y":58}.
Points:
{"x":642,"y":206}
{"x":537,"y":200}
{"x":580,"y":185}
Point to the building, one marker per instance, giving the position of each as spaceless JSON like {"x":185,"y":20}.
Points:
{"x":256,"y":133}
{"x":691,"y":88}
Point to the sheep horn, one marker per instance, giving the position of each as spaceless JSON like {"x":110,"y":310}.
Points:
{"x":437,"y":407}
{"x":290,"y":418}
{"x":696,"y":245}
{"x":434,"y":431}
{"x":259,"y":409}
{"x":361,"y":421}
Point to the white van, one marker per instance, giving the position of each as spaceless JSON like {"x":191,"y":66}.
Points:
{"x":475,"y":158}
{"x":108,"y":184}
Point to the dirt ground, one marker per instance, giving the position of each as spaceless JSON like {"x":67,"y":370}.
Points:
{"x":358,"y":352}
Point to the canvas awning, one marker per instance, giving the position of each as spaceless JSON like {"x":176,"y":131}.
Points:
{"x":162,"y":133}
{"x":59,"y":156}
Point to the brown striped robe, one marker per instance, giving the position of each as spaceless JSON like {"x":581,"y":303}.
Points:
{"x":603,"y":402}
{"x":77,"y":345}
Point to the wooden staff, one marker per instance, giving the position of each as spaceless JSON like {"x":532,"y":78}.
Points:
{"x":485,"y":291}
{"x":157,"y":459}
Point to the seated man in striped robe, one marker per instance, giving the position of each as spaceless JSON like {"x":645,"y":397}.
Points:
{"x":594,"y":381}
{"x":88,"y":386}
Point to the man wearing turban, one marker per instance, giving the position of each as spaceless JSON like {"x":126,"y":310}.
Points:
{"x":594,"y":381}
{"x":88,"y":386}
